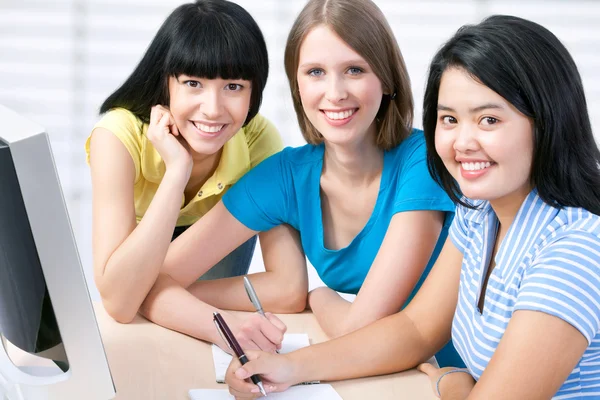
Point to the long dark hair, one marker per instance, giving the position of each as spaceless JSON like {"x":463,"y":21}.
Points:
{"x":529,"y":67}
{"x":208,"y":39}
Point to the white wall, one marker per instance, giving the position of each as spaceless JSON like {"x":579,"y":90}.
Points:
{"x":60,"y":59}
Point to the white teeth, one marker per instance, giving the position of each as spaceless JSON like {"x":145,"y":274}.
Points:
{"x":208,"y":129}
{"x":339,"y":115}
{"x":475,"y":166}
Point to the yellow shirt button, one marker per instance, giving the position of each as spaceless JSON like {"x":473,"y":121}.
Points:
{"x":200,"y":193}
{"x":220,"y":185}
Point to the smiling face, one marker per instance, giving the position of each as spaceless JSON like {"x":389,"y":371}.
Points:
{"x":339,"y":91}
{"x":484,"y":141}
{"x":208,"y":112}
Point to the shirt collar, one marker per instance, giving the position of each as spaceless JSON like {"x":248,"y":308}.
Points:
{"x":234,"y":162}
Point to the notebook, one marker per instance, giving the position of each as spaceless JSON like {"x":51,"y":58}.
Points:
{"x":312,"y":392}
{"x":291,"y":342}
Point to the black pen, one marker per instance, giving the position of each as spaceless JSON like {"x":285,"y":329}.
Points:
{"x":233,"y":344}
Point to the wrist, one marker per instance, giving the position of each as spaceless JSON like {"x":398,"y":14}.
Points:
{"x":456,"y":383}
{"x":177,"y":175}
{"x":299,"y":368}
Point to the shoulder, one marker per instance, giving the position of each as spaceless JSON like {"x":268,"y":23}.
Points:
{"x":260,"y":127}
{"x":574,"y":224}
{"x":121,"y":122}
{"x":411,"y":147}
{"x":301,"y":157}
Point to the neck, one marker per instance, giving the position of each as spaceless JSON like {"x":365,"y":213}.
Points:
{"x":355,"y":165}
{"x":204,"y":165}
{"x":507,"y":207}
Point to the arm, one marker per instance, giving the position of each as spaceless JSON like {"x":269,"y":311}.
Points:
{"x":529,"y":363}
{"x":400,"y":262}
{"x":127,"y":258}
{"x":282,"y":288}
{"x":395,"y":343}
{"x":171,"y":305}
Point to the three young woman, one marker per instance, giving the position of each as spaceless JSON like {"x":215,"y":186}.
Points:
{"x":359,"y":199}
{"x":517,"y":285}
{"x":181,"y":130}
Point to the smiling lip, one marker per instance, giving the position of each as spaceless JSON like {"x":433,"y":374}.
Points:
{"x":474,"y":169}
{"x":339,"y":117}
{"x":208,"y":129}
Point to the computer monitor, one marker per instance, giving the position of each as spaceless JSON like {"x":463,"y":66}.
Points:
{"x":45,"y":308}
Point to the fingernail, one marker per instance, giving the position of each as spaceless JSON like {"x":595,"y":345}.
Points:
{"x":241,"y":373}
{"x":255,"y":390}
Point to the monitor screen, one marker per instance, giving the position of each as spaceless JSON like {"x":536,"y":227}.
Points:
{"x":45,"y":306}
{"x":27,"y":318}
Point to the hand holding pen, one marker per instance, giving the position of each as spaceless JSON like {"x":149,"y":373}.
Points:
{"x":258,"y":306}
{"x":235,"y":346}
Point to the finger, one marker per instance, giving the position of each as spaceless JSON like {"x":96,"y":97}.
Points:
{"x":427,"y":368}
{"x":248,"y":344}
{"x":260,"y":363}
{"x":263,"y":342}
{"x":243,"y":395}
{"x":276,"y":321}
{"x":172,"y":124}
{"x":273,"y":333}
{"x":155,"y":114}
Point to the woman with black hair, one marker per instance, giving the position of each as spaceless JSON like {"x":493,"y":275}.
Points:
{"x":180,"y":131}
{"x":517,"y":285}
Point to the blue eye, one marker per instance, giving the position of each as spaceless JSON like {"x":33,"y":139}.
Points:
{"x":316,"y":72}
{"x":355,"y":70}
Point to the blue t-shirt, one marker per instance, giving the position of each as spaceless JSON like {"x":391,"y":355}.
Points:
{"x":549,"y":261}
{"x":285,"y":189}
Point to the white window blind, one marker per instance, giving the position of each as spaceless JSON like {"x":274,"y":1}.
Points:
{"x":60,"y":59}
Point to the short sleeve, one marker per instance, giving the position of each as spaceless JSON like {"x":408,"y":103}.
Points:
{"x":459,"y":230}
{"x":564,"y":281}
{"x":127,"y":128}
{"x":263,"y":139}
{"x":416,"y":189}
{"x":259,"y":200}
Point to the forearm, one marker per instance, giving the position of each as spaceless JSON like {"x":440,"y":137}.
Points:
{"x":276,"y":293}
{"x":170,"y":305}
{"x":389,"y":345}
{"x":331,"y":311}
{"x":133,"y":268}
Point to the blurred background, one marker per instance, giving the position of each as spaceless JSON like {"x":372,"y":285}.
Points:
{"x":60,"y":59}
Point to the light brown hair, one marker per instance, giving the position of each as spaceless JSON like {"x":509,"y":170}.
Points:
{"x":362,"y":25}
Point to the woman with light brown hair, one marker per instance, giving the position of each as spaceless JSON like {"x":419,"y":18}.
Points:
{"x":358,"y":197}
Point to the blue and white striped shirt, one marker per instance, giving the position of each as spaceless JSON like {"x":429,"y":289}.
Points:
{"x":549,"y":261}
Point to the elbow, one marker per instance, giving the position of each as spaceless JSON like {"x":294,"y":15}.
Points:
{"x":291,"y":302}
{"x":121,"y":314}
{"x":119,"y":310}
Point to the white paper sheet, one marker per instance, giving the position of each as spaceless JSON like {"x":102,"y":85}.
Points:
{"x":291,"y":342}
{"x":310,"y":392}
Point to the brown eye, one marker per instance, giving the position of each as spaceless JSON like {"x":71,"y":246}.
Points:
{"x":192,"y":84}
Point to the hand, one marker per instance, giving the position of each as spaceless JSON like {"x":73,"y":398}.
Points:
{"x":276,"y":372}
{"x":461,"y":382}
{"x":165,"y":137}
{"x":256,"y":332}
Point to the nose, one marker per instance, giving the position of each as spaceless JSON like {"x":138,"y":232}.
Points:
{"x":211,"y":105}
{"x":336,"y":89}
{"x":466,"y":139}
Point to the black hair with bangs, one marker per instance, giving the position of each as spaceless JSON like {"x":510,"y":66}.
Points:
{"x":529,"y":67}
{"x":206,"y":39}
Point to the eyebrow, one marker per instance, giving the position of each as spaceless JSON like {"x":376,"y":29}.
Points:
{"x":349,"y":62}
{"x":480,"y":108}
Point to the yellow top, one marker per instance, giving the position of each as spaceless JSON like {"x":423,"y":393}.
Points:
{"x":253,"y":143}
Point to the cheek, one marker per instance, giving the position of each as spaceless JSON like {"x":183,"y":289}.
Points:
{"x":444,"y":145}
